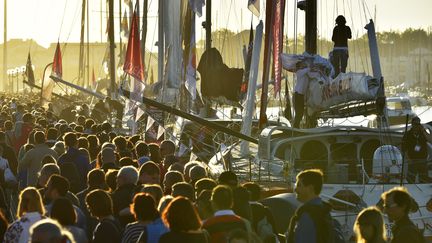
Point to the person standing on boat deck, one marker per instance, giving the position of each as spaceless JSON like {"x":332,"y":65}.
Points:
{"x":300,"y":89}
{"x":414,"y":145}
{"x":341,"y":34}
{"x":397,"y":203}
{"x":311,"y":222}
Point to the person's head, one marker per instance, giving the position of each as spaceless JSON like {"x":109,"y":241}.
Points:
{"x":308,"y":184}
{"x":89,"y":123}
{"x":144,"y":207}
{"x":96,"y":179}
{"x":111,"y":179}
{"x":128,"y":161}
{"x":63,"y":211}
{"x":49,"y":231}
{"x":108,"y":156}
{"x":46,"y":172}
{"x":52,"y":133}
{"x":177,"y":166}
{"x":149,"y":173}
{"x":187,"y":167}
{"x":340,"y":20}
{"x":164,"y":201}
{"x":57,"y":186}
{"x":204,"y":205}
{"x":196,"y":173}
{"x":127,"y":175}
{"x":28,"y":118}
{"x":369,"y":226}
{"x":241,"y":206}
{"x":120,"y":142}
{"x":254,"y":190}
{"x":141,"y":149}
{"x":171,"y":177}
{"x":30,"y":201}
{"x":48,"y":159}
{"x":222,"y":197}
{"x":59,"y":147}
{"x":8,"y":125}
{"x":204,"y":184}
{"x":181,"y":216}
{"x":155,"y":155}
{"x":155,"y":190}
{"x":82,"y":142}
{"x":39,"y":137}
{"x":228,"y":178}
{"x":166,"y":148}
{"x":99,"y":203}
{"x":183,"y":189}
{"x":397,"y":203}
{"x":70,"y":140}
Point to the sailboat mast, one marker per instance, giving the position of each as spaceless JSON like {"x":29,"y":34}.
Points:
{"x":144,"y":31}
{"x":81,"y":70}
{"x":120,"y":24}
{"x":207,"y":24}
{"x":88,"y":46}
{"x":311,"y":26}
{"x":112,"y":47}
{"x":161,"y":43}
{"x":5,"y":45}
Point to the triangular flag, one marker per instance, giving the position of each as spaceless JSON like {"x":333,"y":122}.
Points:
{"x":161,"y":131}
{"x":57,"y":69}
{"x":254,"y":7}
{"x":133,"y":62}
{"x":150,"y":122}
{"x":29,"y":71}
{"x":139,"y":113}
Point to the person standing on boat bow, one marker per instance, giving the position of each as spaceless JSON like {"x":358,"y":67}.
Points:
{"x":339,"y":56}
{"x":414,"y":145}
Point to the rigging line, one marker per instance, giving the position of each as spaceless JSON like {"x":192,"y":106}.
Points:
{"x":343,"y":6}
{"x":226,"y":27}
{"x":367,"y":8}
{"x":70,"y":31}
{"x":61,"y":24}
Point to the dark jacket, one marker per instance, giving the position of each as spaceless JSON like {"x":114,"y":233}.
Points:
{"x":341,"y":34}
{"x":409,"y":142}
{"x":404,"y":231}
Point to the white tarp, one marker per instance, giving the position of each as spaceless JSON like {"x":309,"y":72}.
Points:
{"x":323,"y":91}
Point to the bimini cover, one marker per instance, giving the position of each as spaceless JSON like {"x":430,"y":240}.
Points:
{"x":324,"y":92}
{"x":387,"y":161}
{"x":217,"y":79}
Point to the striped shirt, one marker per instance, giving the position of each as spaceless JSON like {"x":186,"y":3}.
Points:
{"x":132,"y":232}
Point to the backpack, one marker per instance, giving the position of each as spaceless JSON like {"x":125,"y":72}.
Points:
{"x":328,"y":230}
{"x":262,"y":223}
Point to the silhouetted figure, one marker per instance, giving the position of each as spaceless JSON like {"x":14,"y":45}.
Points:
{"x":341,"y":34}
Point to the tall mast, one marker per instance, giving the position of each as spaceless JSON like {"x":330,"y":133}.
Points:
{"x":112,"y":47}
{"x":144,"y":32}
{"x":120,"y":24}
{"x":311,"y":26}
{"x":5,"y":46}
{"x":207,"y":24}
{"x":81,"y":71}
{"x":161,"y":44}
{"x":88,"y":45}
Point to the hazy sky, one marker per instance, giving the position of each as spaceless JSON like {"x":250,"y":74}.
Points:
{"x":49,"y":20}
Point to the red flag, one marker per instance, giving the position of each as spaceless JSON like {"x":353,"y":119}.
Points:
{"x":277,"y":43}
{"x":133,"y":64}
{"x":57,"y":69}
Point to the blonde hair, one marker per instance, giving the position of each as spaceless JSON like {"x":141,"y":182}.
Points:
{"x":370,"y":216}
{"x":30,"y":200}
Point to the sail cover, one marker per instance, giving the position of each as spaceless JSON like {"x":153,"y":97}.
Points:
{"x":324,"y":92}
{"x":217,"y":79}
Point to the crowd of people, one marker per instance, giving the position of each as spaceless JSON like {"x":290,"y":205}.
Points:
{"x":81,"y":181}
